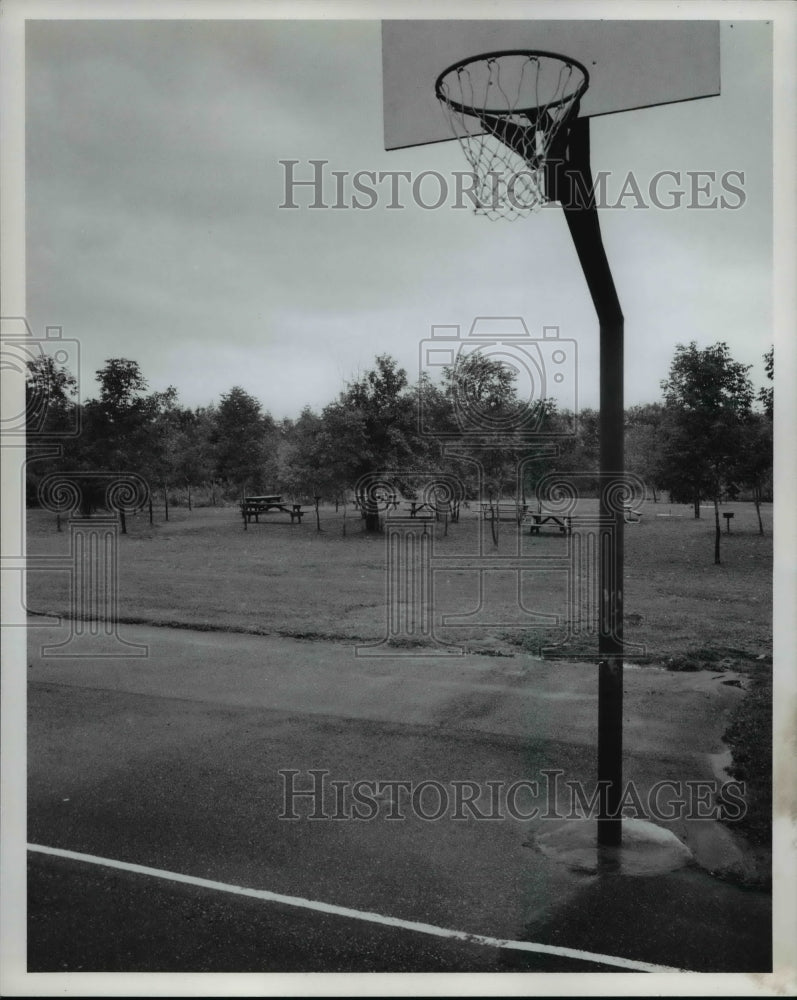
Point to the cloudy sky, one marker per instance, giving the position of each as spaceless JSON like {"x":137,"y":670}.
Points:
{"x":154,"y":230}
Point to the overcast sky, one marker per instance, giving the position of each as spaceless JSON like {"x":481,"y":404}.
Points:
{"x":154,"y":230}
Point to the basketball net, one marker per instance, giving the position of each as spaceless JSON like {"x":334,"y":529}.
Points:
{"x":520,"y":102}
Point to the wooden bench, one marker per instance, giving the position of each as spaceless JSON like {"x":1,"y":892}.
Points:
{"x":253,"y":507}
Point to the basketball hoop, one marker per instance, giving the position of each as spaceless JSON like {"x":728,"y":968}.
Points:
{"x":524,"y":100}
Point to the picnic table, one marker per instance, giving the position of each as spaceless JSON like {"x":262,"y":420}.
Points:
{"x":386,"y":500}
{"x":508,"y":511}
{"x":423,"y":510}
{"x":520,"y":513}
{"x":253,"y":507}
{"x":544,"y":519}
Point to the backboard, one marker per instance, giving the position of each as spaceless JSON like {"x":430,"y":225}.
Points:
{"x":631,"y":64}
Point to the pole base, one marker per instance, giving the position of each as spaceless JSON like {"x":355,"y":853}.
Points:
{"x":646,"y":849}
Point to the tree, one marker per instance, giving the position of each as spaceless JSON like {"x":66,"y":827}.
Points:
{"x":475,"y":427}
{"x":127,"y":430}
{"x":239,"y":437}
{"x":50,"y":410}
{"x":643,"y":442}
{"x":578,"y":459}
{"x":495,"y":423}
{"x":194,"y":462}
{"x":766,"y":395}
{"x":117,"y":430}
{"x":201,"y":455}
{"x":164,"y":452}
{"x":304,"y":466}
{"x":707,"y":399}
{"x":120,"y":419}
{"x":437,"y":448}
{"x":121,"y":385}
{"x":753,"y":467}
{"x":370,"y":429}
{"x":49,"y":392}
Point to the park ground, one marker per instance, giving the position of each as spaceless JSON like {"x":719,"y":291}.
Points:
{"x":171,"y":761}
{"x":201,"y":569}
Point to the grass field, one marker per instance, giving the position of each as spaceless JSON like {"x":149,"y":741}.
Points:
{"x":202,"y":569}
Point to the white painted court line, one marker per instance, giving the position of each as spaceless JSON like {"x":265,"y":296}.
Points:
{"x":372,"y":918}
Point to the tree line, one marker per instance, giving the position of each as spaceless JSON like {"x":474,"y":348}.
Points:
{"x":708,"y":438}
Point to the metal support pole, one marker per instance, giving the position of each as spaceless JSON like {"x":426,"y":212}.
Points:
{"x":581,"y":213}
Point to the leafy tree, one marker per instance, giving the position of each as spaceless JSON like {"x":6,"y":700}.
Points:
{"x":200,"y":458}
{"x":194,"y":460}
{"x":164,"y":454}
{"x":482,"y":389}
{"x":305,"y":467}
{"x":766,"y":395}
{"x":117,"y":430}
{"x":114,"y":427}
{"x":120,"y":419}
{"x":753,"y":466}
{"x":240,"y":440}
{"x":50,"y":409}
{"x":477,"y":428}
{"x":49,"y":392}
{"x":642,"y":443}
{"x":480,"y":393}
{"x":371,"y":428}
{"x":579,"y":455}
{"x":121,"y":385}
{"x":707,"y":400}
{"x":441,"y":446}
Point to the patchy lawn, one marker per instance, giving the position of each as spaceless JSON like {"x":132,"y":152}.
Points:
{"x":201,"y":569}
